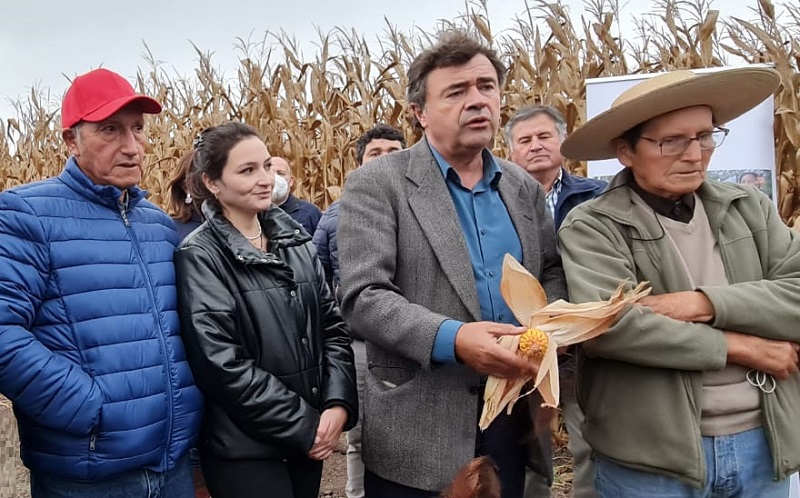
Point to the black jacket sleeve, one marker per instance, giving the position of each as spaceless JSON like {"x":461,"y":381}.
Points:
{"x":339,"y":377}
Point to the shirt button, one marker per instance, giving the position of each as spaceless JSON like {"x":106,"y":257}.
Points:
{"x":500,"y":316}
{"x":314,"y":390}
{"x":304,"y":340}
{"x":491,"y":273}
{"x":292,"y":293}
{"x":483,"y":232}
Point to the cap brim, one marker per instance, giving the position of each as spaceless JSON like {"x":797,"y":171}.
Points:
{"x":730,"y":93}
{"x":146,"y":104}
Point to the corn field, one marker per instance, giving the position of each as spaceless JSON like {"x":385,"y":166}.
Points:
{"x":312,"y":111}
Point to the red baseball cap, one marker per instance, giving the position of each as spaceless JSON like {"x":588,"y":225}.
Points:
{"x":98,"y":94}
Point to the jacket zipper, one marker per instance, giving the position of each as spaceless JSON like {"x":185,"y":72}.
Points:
{"x":93,"y":441}
{"x":123,"y":206}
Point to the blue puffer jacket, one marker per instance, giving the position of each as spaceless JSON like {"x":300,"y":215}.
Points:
{"x":90,"y":351}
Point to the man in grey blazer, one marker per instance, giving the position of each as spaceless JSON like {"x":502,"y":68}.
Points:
{"x":422,"y":235}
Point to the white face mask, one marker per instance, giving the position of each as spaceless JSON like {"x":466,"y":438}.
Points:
{"x":280,"y":191}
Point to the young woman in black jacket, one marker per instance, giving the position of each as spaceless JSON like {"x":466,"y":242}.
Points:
{"x":263,"y":334}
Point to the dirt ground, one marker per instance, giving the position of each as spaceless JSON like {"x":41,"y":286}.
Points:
{"x":14,"y":477}
{"x":334,"y":473}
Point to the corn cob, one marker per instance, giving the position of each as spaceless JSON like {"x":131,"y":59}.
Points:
{"x":533,"y":344}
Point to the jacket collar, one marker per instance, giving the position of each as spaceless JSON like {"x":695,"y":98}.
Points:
{"x":569,"y":182}
{"x":278,"y":226}
{"x":106,"y":195}
{"x":617,"y":204}
{"x":291,"y":204}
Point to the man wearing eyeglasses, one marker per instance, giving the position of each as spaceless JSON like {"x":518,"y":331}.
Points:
{"x":697,"y":392}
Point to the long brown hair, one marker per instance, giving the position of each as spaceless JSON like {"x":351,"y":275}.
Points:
{"x":178,"y":192}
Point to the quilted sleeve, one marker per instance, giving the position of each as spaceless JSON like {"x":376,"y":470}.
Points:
{"x":44,"y":386}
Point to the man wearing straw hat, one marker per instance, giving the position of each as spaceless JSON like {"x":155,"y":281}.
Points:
{"x":696,"y":393}
{"x":91,"y":354}
{"x":422,"y":234}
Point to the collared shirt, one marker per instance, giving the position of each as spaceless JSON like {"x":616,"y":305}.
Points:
{"x":681,"y":210}
{"x":551,"y":198}
{"x":489,"y":234}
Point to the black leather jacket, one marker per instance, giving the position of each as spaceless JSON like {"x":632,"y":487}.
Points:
{"x":264,"y":337}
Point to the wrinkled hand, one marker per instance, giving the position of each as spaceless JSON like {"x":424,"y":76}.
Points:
{"x":477,"y":347}
{"x":778,"y":358}
{"x":686,"y":306}
{"x":331,"y":423}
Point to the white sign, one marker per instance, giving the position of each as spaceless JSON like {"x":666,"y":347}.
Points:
{"x":746,"y":156}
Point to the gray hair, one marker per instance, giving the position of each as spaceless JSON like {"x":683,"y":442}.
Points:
{"x":76,"y":131}
{"x":531,"y":112}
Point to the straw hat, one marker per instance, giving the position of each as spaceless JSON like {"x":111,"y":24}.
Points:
{"x":730,"y":93}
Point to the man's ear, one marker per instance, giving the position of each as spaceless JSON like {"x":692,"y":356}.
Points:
{"x":419,"y":113}
{"x":71,"y":141}
{"x":624,"y":152}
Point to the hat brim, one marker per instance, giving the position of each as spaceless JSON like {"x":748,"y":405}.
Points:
{"x":146,"y":104}
{"x":730,"y":93}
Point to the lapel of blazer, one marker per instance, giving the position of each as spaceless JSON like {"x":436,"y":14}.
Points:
{"x":520,"y":206}
{"x":435,"y":212}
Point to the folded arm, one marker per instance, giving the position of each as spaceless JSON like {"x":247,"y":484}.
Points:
{"x":596,"y":259}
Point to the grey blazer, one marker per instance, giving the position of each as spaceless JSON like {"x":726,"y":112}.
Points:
{"x":405,"y":268}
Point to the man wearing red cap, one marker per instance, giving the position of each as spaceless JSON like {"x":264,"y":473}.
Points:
{"x":90,"y":353}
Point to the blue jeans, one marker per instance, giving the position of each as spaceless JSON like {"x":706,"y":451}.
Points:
{"x":737,"y":466}
{"x":141,"y":483}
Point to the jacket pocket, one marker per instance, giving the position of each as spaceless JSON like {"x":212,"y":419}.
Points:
{"x":391,"y":377}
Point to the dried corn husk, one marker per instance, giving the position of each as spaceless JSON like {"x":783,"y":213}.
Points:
{"x":564,"y":323}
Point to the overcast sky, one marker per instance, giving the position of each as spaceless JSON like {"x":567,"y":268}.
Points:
{"x":41,"y":41}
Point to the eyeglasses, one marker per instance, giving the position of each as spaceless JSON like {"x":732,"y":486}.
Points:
{"x":675,"y":146}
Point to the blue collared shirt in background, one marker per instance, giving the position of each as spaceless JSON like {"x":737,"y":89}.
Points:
{"x":489,"y":234}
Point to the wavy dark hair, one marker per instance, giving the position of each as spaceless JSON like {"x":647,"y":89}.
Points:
{"x":379,"y":131}
{"x":455,"y":48}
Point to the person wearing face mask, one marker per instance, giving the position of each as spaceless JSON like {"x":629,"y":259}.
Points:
{"x":263,"y":333}
{"x":300,"y":210}
{"x":280,"y":191}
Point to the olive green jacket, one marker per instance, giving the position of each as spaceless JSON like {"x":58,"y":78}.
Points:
{"x":640,"y":383}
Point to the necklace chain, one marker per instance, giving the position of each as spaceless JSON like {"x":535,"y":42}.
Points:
{"x":254,"y":237}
